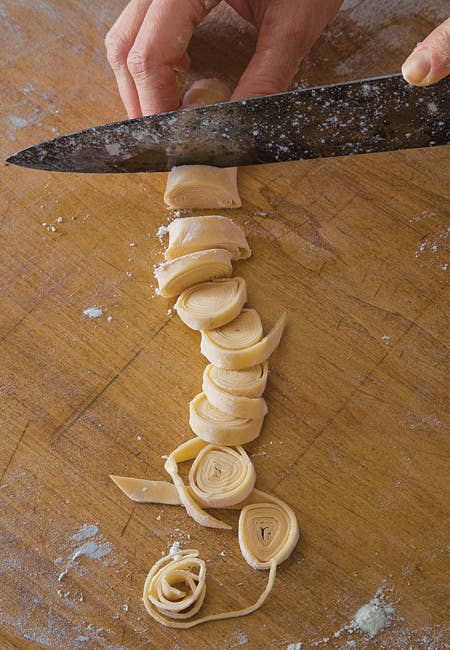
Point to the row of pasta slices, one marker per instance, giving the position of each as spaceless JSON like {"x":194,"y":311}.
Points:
{"x":230,"y":409}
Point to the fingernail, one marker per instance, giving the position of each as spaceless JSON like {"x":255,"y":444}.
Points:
{"x":417,"y":66}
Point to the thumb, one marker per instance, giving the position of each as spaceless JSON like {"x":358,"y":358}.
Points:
{"x":430,"y":61}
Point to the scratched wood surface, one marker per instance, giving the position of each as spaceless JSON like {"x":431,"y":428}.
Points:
{"x":356,"y":438}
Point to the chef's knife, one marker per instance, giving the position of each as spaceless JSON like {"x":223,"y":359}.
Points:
{"x":378,"y":114}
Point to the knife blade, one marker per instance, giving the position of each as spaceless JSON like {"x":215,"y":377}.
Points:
{"x":377,"y":114}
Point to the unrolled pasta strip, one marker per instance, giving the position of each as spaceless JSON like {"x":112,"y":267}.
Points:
{"x":192,"y":234}
{"x":167,"y":601}
{"x":221,"y":476}
{"x":212,"y":304}
{"x":187,"y":451}
{"x":144,"y":491}
{"x":240,"y":344}
{"x":220,"y":428}
{"x":183,"y":272}
{"x":249,"y":382}
{"x":237,"y":405}
{"x":203,"y":186}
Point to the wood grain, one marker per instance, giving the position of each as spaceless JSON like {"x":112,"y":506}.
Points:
{"x":357,"y":435}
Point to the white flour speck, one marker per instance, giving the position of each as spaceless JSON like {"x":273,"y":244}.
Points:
{"x":162,"y":232}
{"x":109,"y":319}
{"x":295,"y":646}
{"x":241,"y":638}
{"x":85,"y":532}
{"x":386,"y":338}
{"x":93,"y":312}
{"x":92,"y":550}
{"x":175,"y":549}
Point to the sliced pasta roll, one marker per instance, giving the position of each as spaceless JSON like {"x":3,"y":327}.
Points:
{"x":249,"y":382}
{"x":218,"y":427}
{"x":241,"y":344}
{"x":183,"y":272}
{"x":236,"y":405}
{"x":192,"y":234}
{"x":268,"y":532}
{"x":212,"y":304}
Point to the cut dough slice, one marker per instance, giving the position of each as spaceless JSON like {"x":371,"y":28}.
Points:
{"x":175,"y":589}
{"x":268,"y":532}
{"x":221,"y":476}
{"x":239,"y":344}
{"x":249,"y":382}
{"x":183,"y":272}
{"x":144,"y":491}
{"x":219,"y":428}
{"x":202,"y":186}
{"x":236,"y":405}
{"x":187,"y":451}
{"x":212,"y":304}
{"x":192,"y":234}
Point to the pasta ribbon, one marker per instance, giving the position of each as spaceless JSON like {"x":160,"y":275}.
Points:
{"x":248,"y":382}
{"x":212,"y":304}
{"x":175,"y":589}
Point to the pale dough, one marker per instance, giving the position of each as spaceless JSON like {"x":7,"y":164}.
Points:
{"x":212,"y":304}
{"x":183,"y":272}
{"x":203,"y":186}
{"x":167,"y":603}
{"x":192,"y":234}
{"x":218,"y":427}
{"x":237,"y":405}
{"x":240,"y":344}
{"x":249,"y":382}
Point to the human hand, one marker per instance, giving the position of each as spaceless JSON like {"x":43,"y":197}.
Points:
{"x":430,"y":61}
{"x":148,"y":44}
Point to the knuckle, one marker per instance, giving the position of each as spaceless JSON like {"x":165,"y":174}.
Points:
{"x":138,"y":62}
{"x":116,"y":48}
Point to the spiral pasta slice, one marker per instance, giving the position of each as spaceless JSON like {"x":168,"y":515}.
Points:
{"x":236,"y":405}
{"x":268,"y":532}
{"x":249,"y":382}
{"x":183,"y":272}
{"x":212,"y":304}
{"x":220,"y":428}
{"x":187,"y":451}
{"x":240,"y":344}
{"x":221,"y":476}
{"x":175,"y":589}
{"x":203,"y":186}
{"x":192,"y":234}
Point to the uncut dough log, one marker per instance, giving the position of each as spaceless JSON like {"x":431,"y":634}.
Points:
{"x":183,"y":272}
{"x":192,"y":234}
{"x":235,"y":405}
{"x":203,"y":186}
{"x":212,"y":304}
{"x":167,"y":604}
{"x":240,"y":344}
{"x":216,"y":427}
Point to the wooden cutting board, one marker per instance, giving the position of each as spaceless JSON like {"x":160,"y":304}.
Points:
{"x":356,"y":250}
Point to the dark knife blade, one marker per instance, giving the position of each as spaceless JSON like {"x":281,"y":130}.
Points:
{"x":378,"y":114}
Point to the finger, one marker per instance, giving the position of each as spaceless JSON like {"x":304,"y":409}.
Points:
{"x":159,"y":47}
{"x":283,"y":42}
{"x":430,"y":61}
{"x":119,"y":41}
{"x":184,"y":64}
